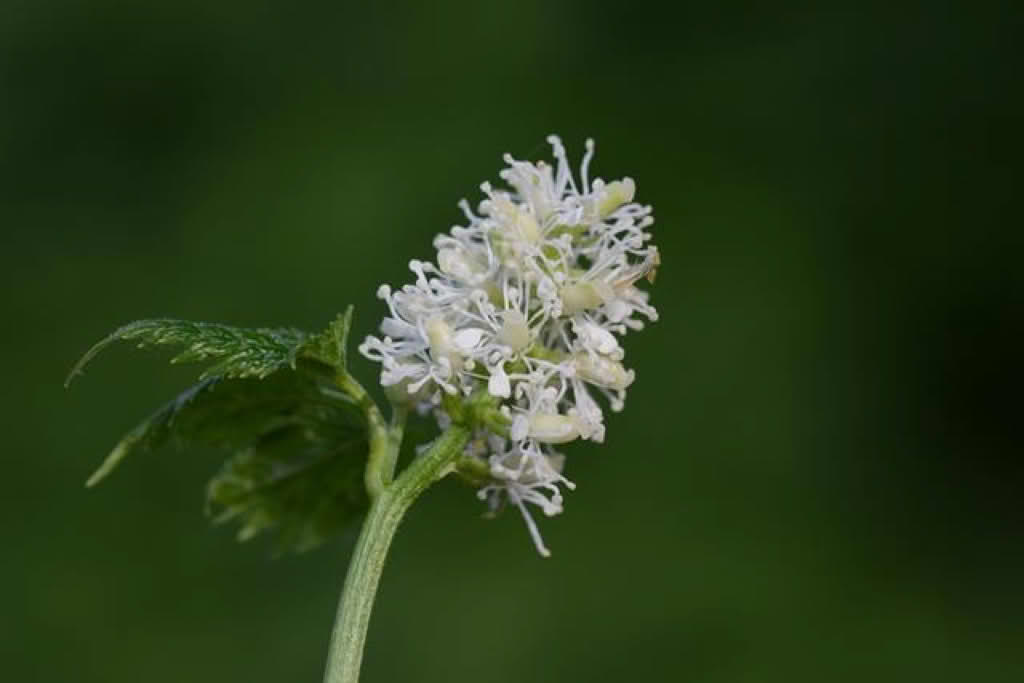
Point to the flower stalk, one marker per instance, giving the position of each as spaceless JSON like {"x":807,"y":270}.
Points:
{"x":386,"y":513}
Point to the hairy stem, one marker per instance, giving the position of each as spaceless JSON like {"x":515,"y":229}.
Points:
{"x":386,"y":512}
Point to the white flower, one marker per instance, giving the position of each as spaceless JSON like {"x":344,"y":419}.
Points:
{"x":527,"y":302}
{"x":525,"y":474}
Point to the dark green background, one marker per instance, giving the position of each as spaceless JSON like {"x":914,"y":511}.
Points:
{"x":818,"y":475}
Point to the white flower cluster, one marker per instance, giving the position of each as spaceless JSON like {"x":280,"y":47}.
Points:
{"x":526,"y":300}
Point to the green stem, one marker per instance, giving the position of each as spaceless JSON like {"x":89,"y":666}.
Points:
{"x":384,"y":446}
{"x":385,"y":439}
{"x":386,"y":512}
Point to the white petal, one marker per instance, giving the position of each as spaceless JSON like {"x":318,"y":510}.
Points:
{"x":520,"y":428}
{"x":498,"y":384}
{"x":467,"y":339}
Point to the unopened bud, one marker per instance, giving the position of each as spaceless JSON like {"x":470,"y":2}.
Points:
{"x":514,"y":331}
{"x":453,"y":262}
{"x":549,"y":428}
{"x":616,"y":193}
{"x":602,"y":371}
{"x":582,"y":296}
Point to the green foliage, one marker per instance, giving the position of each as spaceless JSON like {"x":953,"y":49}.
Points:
{"x":240,"y":352}
{"x":298,"y":462}
{"x":302,"y":477}
{"x":299,"y":443}
{"x":153,"y":432}
{"x":330,"y":346}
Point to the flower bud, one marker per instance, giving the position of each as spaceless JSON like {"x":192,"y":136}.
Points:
{"x":514,"y":331}
{"x":453,"y":262}
{"x":527,"y":226}
{"x":442,"y":343}
{"x":551,"y":428}
{"x":602,"y":371}
{"x":597,"y":338}
{"x":616,"y":193}
{"x":581,"y":296}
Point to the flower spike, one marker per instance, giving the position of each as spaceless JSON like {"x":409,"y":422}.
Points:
{"x":526,"y":302}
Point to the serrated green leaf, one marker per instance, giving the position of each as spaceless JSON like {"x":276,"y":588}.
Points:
{"x":330,"y":346}
{"x":300,"y":450}
{"x":150,"y":433}
{"x":240,"y":352}
{"x":305,"y":487}
{"x":230,"y":414}
{"x":299,"y":443}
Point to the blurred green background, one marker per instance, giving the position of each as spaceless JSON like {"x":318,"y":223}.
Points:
{"x":818,"y":474}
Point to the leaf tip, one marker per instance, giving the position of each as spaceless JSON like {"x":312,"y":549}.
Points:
{"x":75,"y":372}
{"x":108,"y":465}
{"x":79,"y":367}
{"x":95,"y":478}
